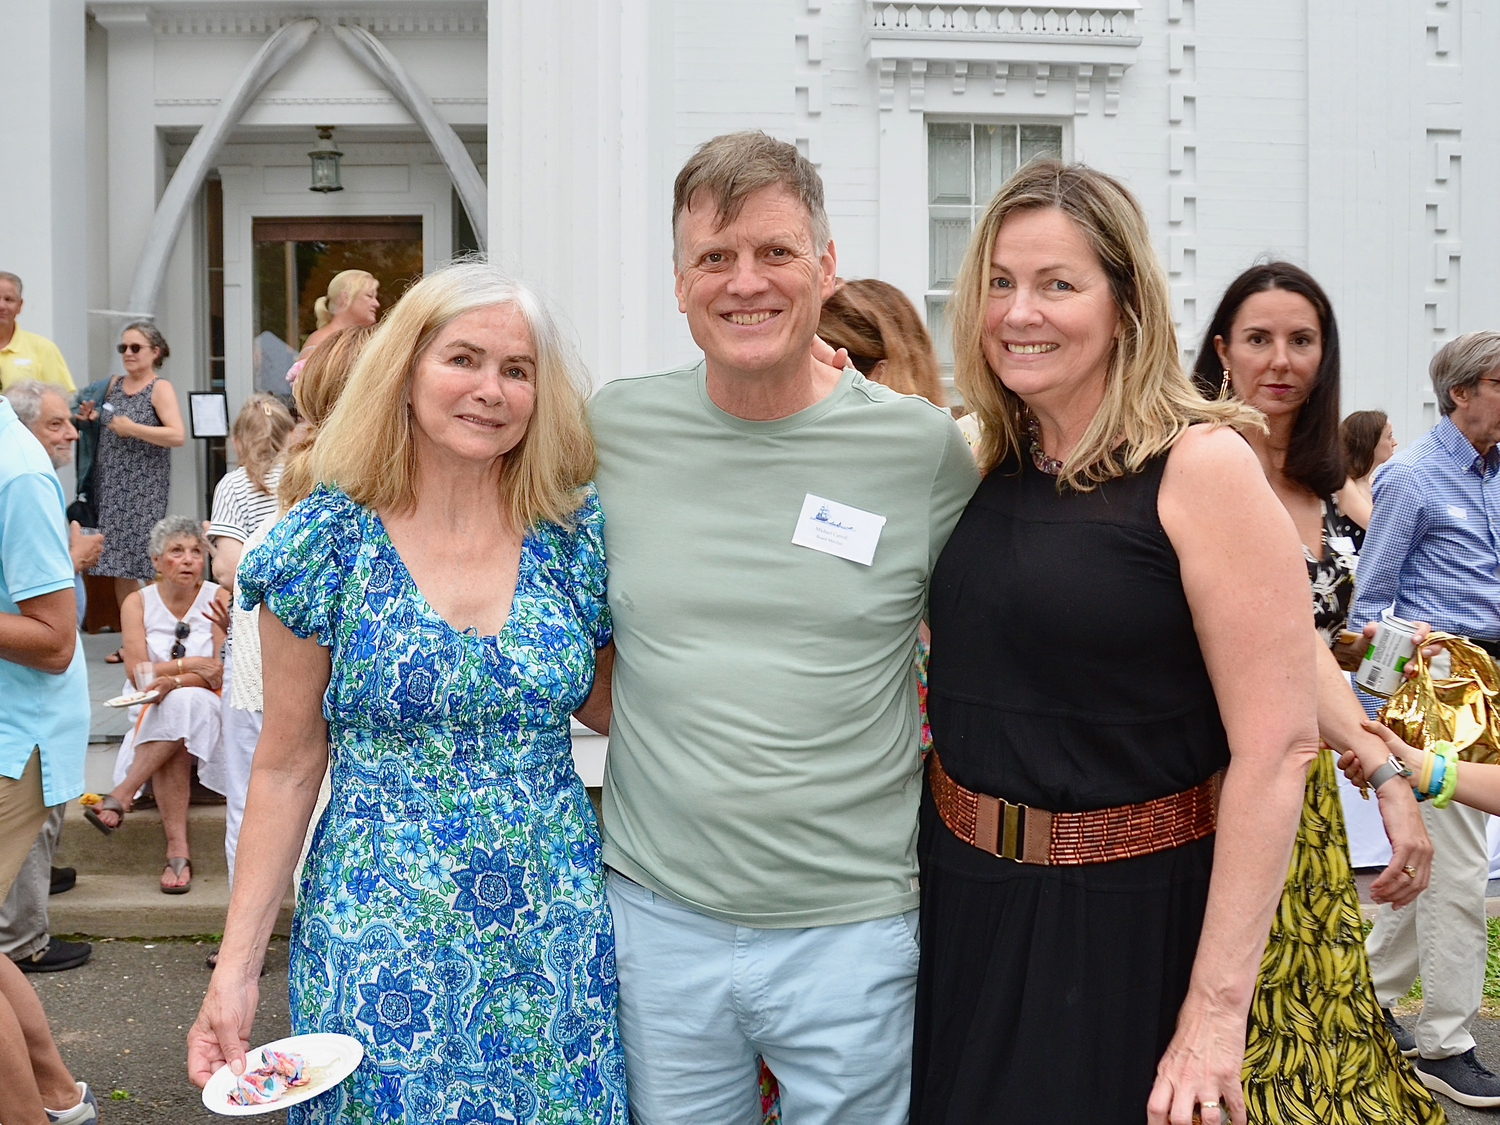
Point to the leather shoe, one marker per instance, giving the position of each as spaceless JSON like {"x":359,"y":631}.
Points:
{"x":63,"y":879}
{"x":57,"y":956}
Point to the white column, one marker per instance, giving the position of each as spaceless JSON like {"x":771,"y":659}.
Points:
{"x":42,"y":190}
{"x":903,"y":189}
{"x":135,"y":162}
{"x":571,"y":160}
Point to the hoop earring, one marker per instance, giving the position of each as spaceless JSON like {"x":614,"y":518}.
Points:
{"x":1224,"y":386}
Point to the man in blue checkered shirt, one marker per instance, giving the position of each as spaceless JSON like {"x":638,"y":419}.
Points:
{"x":1433,"y":554}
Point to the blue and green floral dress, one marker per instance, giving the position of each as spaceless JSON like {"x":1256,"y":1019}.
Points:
{"x":452,"y":914}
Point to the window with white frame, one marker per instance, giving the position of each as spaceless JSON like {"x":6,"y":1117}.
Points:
{"x":966,"y":164}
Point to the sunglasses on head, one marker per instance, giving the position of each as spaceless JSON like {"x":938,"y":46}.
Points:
{"x":179,"y":650}
{"x":131,"y":348}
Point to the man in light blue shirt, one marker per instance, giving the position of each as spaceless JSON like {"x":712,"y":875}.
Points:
{"x":1433,"y":552}
{"x":43,"y":736}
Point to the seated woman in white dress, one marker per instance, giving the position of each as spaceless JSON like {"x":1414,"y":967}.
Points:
{"x":165,"y":624}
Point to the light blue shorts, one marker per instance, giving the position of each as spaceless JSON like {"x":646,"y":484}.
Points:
{"x":829,"y":1008}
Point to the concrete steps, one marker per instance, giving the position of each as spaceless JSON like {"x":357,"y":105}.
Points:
{"x":118,"y":891}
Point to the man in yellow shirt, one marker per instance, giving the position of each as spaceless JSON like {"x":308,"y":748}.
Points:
{"x":23,"y":354}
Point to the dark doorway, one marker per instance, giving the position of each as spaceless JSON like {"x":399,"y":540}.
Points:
{"x":296,"y":258}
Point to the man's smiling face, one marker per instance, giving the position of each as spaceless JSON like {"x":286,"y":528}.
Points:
{"x":752,"y":290}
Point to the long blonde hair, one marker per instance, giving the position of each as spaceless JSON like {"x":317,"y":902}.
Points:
{"x":317,"y":391}
{"x":1148,"y":398}
{"x":260,"y":432}
{"x":342,"y":289}
{"x":367,"y":448}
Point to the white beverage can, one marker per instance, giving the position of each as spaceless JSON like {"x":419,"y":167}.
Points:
{"x":1381,"y":671}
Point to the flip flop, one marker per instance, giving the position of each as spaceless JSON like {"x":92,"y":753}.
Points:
{"x":116,"y":657}
{"x":177,"y":863}
{"x":108,"y":804}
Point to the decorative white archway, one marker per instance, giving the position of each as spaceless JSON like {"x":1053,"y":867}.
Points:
{"x":280,"y":49}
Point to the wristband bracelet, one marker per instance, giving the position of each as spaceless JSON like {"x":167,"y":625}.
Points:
{"x":1439,"y":772}
{"x":1450,"y":777}
{"x":1424,"y":776}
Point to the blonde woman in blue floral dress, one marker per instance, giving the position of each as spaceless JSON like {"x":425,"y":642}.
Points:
{"x":434,"y":611}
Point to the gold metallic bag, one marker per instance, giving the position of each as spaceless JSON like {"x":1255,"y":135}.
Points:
{"x":1464,"y":708}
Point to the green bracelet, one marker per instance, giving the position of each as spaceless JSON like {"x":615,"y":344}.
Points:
{"x":1450,"y":773}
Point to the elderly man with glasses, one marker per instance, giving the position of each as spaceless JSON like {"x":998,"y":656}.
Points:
{"x":43,"y":410}
{"x":1433,"y":553}
{"x":44,"y":728}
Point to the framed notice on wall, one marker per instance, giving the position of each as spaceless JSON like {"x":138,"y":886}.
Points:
{"x":208,"y":413}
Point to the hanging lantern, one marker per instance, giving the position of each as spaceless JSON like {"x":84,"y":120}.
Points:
{"x":325,"y":162}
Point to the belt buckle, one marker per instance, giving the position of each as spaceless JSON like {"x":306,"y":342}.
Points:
{"x":997,"y":827}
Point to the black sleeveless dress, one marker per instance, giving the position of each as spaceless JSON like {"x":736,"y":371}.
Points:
{"x":1065,"y":674}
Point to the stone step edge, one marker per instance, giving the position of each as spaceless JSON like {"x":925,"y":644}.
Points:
{"x":132,"y":906}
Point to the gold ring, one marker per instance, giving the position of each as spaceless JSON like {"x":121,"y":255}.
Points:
{"x":1411,"y":872}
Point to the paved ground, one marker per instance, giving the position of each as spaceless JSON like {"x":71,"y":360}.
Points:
{"x":121,"y":1021}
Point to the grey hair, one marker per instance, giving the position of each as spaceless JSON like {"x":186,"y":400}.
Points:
{"x":733,"y":166}
{"x":153,"y":337}
{"x":1461,"y":362}
{"x":176,"y":527}
{"x":26,"y":397}
{"x":6,"y":275}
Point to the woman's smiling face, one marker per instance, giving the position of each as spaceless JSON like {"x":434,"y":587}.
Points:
{"x":1050,"y":319}
{"x":474,"y":388}
{"x":1273,"y":351}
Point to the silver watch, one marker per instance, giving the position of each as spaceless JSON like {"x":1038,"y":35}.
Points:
{"x":1393,"y":767}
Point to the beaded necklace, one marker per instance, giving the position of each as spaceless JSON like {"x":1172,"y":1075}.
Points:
{"x":1049,"y":465}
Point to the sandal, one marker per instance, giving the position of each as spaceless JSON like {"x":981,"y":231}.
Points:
{"x":108,"y":804}
{"x":178,"y":863}
{"x":116,"y":657}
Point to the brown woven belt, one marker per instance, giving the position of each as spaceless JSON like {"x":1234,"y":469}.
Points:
{"x":1029,"y":835}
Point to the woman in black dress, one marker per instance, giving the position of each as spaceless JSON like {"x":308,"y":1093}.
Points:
{"x":1120,"y":648}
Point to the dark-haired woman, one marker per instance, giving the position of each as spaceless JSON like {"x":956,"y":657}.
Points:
{"x":1317,"y":1048}
{"x":1368,"y":443}
{"x":140,"y":423}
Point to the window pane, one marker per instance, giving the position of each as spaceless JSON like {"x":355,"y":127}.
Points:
{"x":1008,"y":162}
{"x":947,"y":238}
{"x":937,"y":328}
{"x":948,"y":164}
{"x":1040,"y":140}
{"x":994,"y":159}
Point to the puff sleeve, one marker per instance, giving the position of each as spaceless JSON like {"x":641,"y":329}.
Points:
{"x":298,"y":572}
{"x":588,"y":575}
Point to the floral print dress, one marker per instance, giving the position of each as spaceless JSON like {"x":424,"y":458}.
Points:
{"x":452,"y":913}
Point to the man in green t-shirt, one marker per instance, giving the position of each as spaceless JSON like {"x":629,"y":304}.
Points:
{"x":771,"y":523}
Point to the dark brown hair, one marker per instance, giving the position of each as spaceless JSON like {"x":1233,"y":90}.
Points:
{"x":874,"y":321}
{"x":1360,"y":433}
{"x":1314,"y":459}
{"x":153,"y":337}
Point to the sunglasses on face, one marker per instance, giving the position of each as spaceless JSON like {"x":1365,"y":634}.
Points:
{"x":131,"y":348}
{"x":179,"y":650}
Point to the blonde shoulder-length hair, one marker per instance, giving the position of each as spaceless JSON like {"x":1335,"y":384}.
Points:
{"x":367,"y":448}
{"x":1148,"y":398}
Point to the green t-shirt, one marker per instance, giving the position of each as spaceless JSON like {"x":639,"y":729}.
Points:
{"x":763,"y":765}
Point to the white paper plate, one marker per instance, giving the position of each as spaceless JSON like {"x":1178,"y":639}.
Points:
{"x":336,"y":1056}
{"x":131,"y":699}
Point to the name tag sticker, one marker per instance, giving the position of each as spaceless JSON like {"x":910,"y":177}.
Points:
{"x":1458,"y":513}
{"x":22,"y":360}
{"x":837,"y":529}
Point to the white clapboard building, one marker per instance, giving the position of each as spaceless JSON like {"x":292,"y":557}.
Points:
{"x":156,"y":156}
